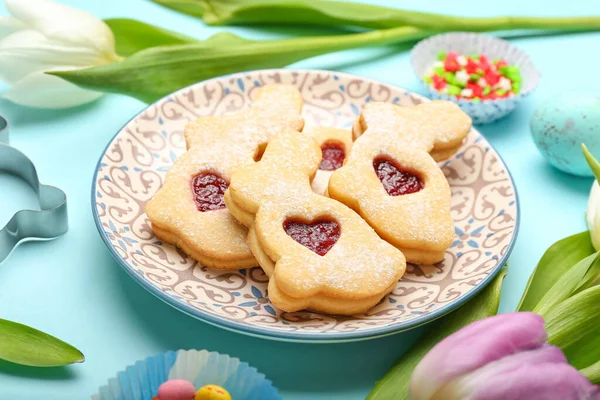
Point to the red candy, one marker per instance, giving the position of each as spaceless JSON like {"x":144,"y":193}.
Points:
{"x":318,"y":236}
{"x":476,"y":89}
{"x":208,"y":189}
{"x":438,"y":82}
{"x":484,"y":63}
{"x":492,"y":77}
{"x":451,"y":65}
{"x":475,"y":78}
{"x":396,"y":181}
{"x":471,"y":66}
{"x":333,"y":156}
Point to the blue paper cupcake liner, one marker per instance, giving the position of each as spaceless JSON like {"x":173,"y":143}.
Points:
{"x":425,"y":54}
{"x":141,"y":380}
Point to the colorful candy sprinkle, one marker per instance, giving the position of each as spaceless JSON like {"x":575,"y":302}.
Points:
{"x":212,"y":392}
{"x":473,"y":77}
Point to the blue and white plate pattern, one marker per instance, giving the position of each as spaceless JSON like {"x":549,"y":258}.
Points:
{"x":134,"y":164}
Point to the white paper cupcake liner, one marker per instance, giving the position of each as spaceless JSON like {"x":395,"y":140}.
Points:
{"x":424,"y":54}
{"x":141,"y":381}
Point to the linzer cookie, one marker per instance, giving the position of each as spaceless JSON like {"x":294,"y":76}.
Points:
{"x":438,"y":127}
{"x":392,"y":180}
{"x":189,"y":210}
{"x":318,"y":253}
{"x":335,"y":146}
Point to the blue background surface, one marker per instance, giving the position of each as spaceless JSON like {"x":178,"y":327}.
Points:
{"x":72,"y":288}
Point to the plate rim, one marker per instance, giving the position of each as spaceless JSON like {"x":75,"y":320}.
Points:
{"x":295,"y":336}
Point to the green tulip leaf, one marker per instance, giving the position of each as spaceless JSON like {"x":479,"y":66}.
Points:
{"x":574,"y":326}
{"x":132,"y":36}
{"x":556,"y":261}
{"x":342,"y":14}
{"x":315,"y":12}
{"x":574,"y":278}
{"x":394,"y":385}
{"x":227,"y":39}
{"x":156,"y":72}
{"x":190,"y":7}
{"x":24,"y":345}
{"x":592,"y":162}
{"x":591,"y":278}
{"x":160,"y":61}
{"x":592,"y":372}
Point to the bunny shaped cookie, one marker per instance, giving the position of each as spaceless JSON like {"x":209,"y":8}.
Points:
{"x":189,"y":210}
{"x":318,"y":253}
{"x":392,"y":180}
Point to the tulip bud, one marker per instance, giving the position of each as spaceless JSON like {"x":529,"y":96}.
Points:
{"x":504,"y":357}
{"x":593,"y":210}
{"x":593,"y":215}
{"x":43,"y":36}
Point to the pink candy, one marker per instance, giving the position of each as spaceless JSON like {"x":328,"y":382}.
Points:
{"x":176,"y":389}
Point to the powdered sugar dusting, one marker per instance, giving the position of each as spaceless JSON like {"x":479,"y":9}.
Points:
{"x":220,"y":145}
{"x":428,"y":126}
{"x":323,"y":136}
{"x":416,"y":220}
{"x":358,"y":265}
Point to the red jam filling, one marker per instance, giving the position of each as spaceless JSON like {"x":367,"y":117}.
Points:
{"x":209,"y":189}
{"x":333,"y":156}
{"x":395,"y":180}
{"x":318,"y":236}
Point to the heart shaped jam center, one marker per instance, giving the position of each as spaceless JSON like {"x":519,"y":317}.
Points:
{"x":333,"y":156}
{"x":395,"y":180}
{"x":208,"y":189}
{"x":319,"y":236}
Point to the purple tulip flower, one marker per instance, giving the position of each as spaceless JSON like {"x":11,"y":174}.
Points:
{"x":504,"y":357}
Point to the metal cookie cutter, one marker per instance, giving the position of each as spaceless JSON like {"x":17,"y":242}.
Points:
{"x":50,"y":221}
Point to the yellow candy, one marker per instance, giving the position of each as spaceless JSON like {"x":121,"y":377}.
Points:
{"x":212,"y":392}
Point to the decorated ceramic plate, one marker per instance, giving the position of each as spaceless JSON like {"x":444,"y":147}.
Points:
{"x":135,"y":162}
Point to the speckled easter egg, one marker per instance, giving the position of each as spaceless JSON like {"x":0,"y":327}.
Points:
{"x":561,"y":124}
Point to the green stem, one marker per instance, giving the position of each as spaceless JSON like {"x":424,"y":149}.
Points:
{"x":337,"y":13}
{"x":327,"y":44}
{"x":451,"y":23}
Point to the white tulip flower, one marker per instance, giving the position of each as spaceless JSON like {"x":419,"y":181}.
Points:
{"x":593,"y":215}
{"x":43,"y":36}
{"x":593,"y":210}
